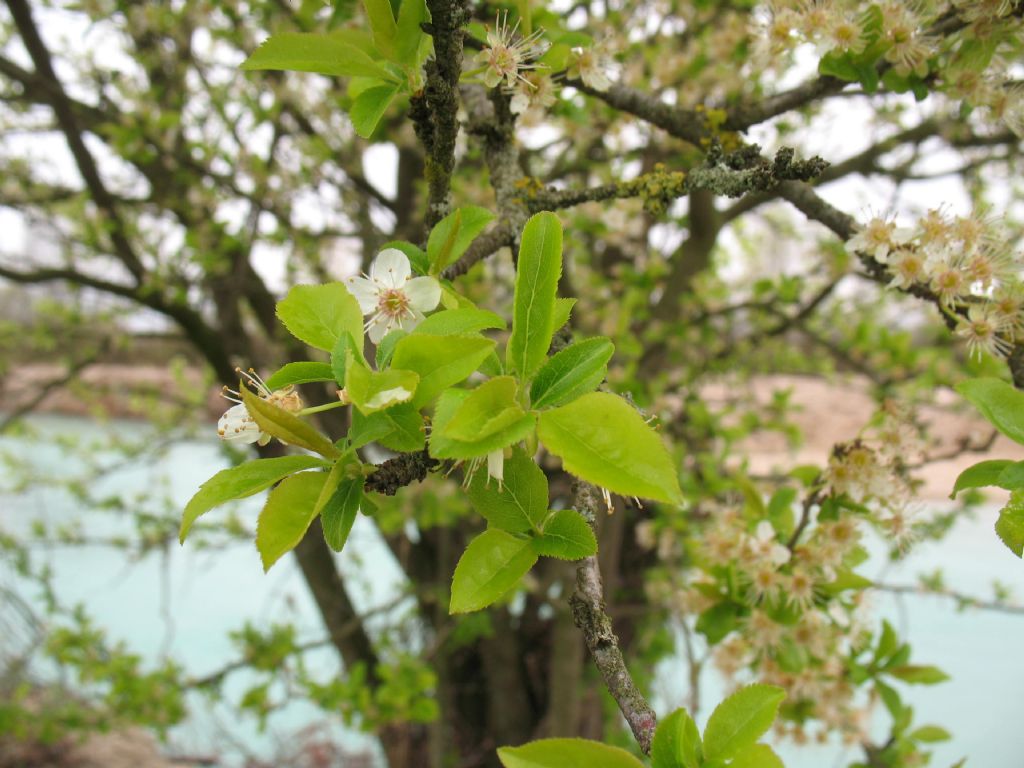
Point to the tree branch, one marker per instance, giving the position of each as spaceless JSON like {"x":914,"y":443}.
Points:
{"x":588,"y":611}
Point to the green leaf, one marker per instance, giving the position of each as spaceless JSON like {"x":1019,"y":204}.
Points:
{"x":241,"y":482}
{"x":399,"y":428}
{"x":603,"y":440}
{"x":372,"y":391}
{"x":488,"y":409}
{"x":839,"y":65}
{"x":740,"y":720}
{"x":440,"y":361}
{"x":757,"y":756}
{"x":566,"y":753}
{"x":453,"y":234}
{"x":454,"y":321}
{"x":718,"y":621}
{"x":492,"y":564}
{"x":1012,"y":477}
{"x":444,"y":447}
{"x":919,"y":674}
{"x":286,"y":516}
{"x":676,"y":742}
{"x":576,"y":370}
{"x":929,"y":734}
{"x":890,"y":698}
{"x":409,"y":35}
{"x":320,"y":314}
{"x":386,"y":348}
{"x":299,"y":373}
{"x":520,"y":503}
{"x":345,"y":347}
{"x":563,"y":308}
{"x":312,"y":52}
{"x":979,"y":475}
{"x":285,"y":426}
{"x":369,"y":106}
{"x":567,"y":536}
{"x":1010,"y":525}
{"x":999,"y":402}
{"x":338,"y":501}
{"x":382,"y":24}
{"x":537,"y":273}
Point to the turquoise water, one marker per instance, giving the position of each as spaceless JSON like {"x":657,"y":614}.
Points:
{"x":182,"y":602}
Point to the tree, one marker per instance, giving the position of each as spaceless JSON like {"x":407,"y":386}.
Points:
{"x":629,"y":128}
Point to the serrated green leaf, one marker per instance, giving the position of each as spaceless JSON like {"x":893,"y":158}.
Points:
{"x":603,"y":440}
{"x":980,"y":475}
{"x":399,"y":428}
{"x":453,"y":234}
{"x":285,"y":426}
{"x":338,"y":502}
{"x":757,"y":756}
{"x":440,"y":361}
{"x":740,"y":720}
{"x":286,"y":516}
{"x":572,"y":372}
{"x":537,"y":273}
{"x":241,"y":482}
{"x":313,"y":52}
{"x":487,"y":410}
{"x":372,"y":391}
{"x":563,"y":309}
{"x":492,"y":564}
{"x":386,"y":348}
{"x":676,"y":742}
{"x":918,"y":674}
{"x":567,"y":536}
{"x":566,"y":753}
{"x":369,"y":107}
{"x":459,"y":321}
{"x":409,"y":34}
{"x":320,"y":314}
{"x":520,"y":503}
{"x":345,"y":347}
{"x":382,"y":24}
{"x":1010,"y":525}
{"x":443,"y":447}
{"x":299,"y":373}
{"x":999,"y":402}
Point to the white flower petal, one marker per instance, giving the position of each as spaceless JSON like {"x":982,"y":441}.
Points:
{"x":378,"y":329}
{"x":391,"y":268}
{"x":424,"y":293}
{"x":496,"y":465}
{"x":366,"y":292}
{"x":237,"y":426}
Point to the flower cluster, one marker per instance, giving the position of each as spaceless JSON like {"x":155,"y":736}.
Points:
{"x":964,"y":262}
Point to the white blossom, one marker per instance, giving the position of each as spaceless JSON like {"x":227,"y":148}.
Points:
{"x":390,"y":298}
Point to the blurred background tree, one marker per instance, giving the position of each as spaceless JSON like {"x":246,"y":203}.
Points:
{"x":157,"y":202}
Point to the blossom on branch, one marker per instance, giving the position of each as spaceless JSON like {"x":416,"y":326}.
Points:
{"x":238,"y":426}
{"x":390,"y":298}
